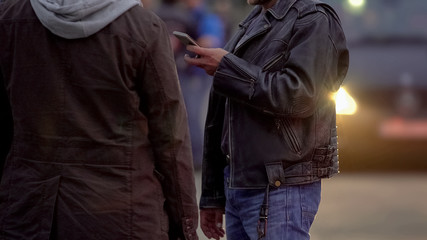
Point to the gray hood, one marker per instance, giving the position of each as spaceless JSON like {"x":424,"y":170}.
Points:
{"x":73,"y":19}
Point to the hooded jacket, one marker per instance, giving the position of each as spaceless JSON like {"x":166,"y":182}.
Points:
{"x":100,"y":145}
{"x":73,"y":19}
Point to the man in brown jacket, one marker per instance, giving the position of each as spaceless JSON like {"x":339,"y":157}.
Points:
{"x":100,"y":145}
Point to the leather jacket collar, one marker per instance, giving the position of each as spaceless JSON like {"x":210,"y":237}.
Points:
{"x":281,"y":8}
{"x":278,"y":11}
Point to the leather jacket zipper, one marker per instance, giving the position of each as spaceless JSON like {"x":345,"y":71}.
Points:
{"x":229,"y":144}
{"x":288,"y":134}
{"x":250,"y":80}
{"x":274,"y":61}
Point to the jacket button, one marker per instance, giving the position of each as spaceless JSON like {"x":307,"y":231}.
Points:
{"x":277,"y":183}
{"x":189,"y":221}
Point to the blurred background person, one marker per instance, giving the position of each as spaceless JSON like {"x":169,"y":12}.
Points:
{"x":210,"y":29}
{"x":197,"y":19}
{"x":177,"y":18}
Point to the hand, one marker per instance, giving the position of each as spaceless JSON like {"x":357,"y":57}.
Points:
{"x":211,"y":222}
{"x":209,"y":58}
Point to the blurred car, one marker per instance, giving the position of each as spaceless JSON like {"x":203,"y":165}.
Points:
{"x":382,"y":106}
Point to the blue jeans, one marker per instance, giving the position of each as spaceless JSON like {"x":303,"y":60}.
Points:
{"x":291,"y":211}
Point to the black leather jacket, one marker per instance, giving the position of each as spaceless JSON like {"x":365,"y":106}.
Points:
{"x":271,"y":116}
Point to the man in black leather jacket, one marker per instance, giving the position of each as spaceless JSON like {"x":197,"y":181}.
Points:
{"x":271,"y":126}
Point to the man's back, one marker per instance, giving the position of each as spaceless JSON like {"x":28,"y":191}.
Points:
{"x":84,"y":105}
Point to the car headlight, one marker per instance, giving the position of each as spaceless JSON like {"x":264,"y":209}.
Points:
{"x":344,"y":103}
{"x":356,"y":3}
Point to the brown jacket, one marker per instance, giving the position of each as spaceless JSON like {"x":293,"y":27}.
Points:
{"x":101,"y":147}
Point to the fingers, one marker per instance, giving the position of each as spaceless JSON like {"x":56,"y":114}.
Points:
{"x":209,"y":58}
{"x":206,"y":224}
{"x":194,"y":61}
{"x":218,"y":223}
{"x":196,"y":49}
{"x":211,"y":223}
{"x":203,"y":63}
{"x":197,"y":61}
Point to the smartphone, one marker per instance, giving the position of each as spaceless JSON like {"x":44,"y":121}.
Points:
{"x":185,"y":38}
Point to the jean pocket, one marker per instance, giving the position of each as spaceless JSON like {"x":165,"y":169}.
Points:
{"x":307,"y":220}
{"x":310,"y":201}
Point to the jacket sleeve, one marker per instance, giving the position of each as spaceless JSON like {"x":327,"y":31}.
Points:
{"x":214,"y":160}
{"x":6,"y":124}
{"x":163,"y":104}
{"x":293,"y":90}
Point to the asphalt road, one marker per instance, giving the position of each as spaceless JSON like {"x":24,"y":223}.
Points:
{"x":372,"y":206}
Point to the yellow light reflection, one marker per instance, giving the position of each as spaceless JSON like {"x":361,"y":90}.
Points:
{"x":344,"y":103}
{"x":356,"y":3}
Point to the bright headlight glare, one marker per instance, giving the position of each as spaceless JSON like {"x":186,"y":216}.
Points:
{"x":344,"y":103}
{"x":356,"y":3}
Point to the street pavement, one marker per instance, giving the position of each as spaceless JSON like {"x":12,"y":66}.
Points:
{"x":369,"y":206}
